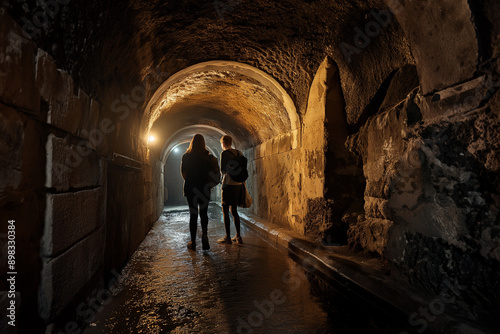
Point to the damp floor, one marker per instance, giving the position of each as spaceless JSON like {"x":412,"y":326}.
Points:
{"x":248,"y":288}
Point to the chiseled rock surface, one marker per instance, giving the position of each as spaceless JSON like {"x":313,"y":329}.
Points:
{"x":70,"y":217}
{"x":71,"y":166}
{"x":443,"y":41}
{"x":64,"y":276}
{"x":432,"y":195}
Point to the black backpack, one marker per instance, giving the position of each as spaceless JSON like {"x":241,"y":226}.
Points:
{"x":237,"y":168}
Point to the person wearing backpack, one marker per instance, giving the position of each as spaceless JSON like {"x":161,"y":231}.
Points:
{"x":200,"y":171}
{"x":234,"y":173}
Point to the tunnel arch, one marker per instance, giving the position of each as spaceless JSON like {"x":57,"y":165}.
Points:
{"x":246,"y":102}
{"x":185,"y":134}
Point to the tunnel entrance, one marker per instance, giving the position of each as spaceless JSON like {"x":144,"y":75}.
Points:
{"x":219,"y":98}
{"x":296,"y":180}
{"x":171,"y":156}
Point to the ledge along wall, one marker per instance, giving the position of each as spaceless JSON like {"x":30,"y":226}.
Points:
{"x":80,"y":209}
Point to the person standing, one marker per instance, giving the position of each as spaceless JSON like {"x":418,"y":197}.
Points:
{"x":200,"y":171}
{"x":231,"y":192}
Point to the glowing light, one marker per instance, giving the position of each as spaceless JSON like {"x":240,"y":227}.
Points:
{"x":151,"y":139}
{"x":176,"y":150}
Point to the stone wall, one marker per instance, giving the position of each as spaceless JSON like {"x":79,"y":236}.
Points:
{"x":308,"y":180}
{"x":275,"y":180}
{"x":57,"y":173}
{"x":287,"y":175}
{"x":432,"y":198}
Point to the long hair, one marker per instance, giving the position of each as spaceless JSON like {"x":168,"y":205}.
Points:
{"x":197,"y":145}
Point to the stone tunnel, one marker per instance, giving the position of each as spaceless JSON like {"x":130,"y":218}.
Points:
{"x":368,"y":125}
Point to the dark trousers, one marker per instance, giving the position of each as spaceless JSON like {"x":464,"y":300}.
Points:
{"x":227,"y":222}
{"x":231,"y":196}
{"x":198,"y":205}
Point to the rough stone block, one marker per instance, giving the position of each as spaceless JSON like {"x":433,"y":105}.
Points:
{"x":371,"y":234}
{"x":443,"y":56}
{"x":381,"y":146}
{"x":268,"y":146}
{"x":377,"y":207}
{"x":71,"y":166}
{"x":285,"y":144}
{"x":64,"y":276}
{"x":402,"y":83}
{"x":275,"y":145}
{"x":46,"y":74}
{"x":457,"y":99}
{"x":17,"y":70}
{"x":61,"y":112}
{"x":11,"y":149}
{"x":70,"y":217}
{"x":313,"y":136}
{"x":56,"y":88}
{"x":317,"y":94}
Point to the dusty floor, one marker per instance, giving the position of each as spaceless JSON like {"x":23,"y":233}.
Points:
{"x":249,"y":288}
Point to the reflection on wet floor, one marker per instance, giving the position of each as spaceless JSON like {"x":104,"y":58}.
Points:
{"x":248,"y":288}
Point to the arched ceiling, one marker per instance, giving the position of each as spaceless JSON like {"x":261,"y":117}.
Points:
{"x":109,"y":47}
{"x":236,"y":98}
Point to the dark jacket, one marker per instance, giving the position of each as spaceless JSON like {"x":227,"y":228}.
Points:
{"x":200,"y":173}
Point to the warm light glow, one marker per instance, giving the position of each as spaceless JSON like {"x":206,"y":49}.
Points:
{"x":151,"y":139}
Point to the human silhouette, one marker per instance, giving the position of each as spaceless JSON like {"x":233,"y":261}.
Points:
{"x":231,"y":192}
{"x":200,"y":171}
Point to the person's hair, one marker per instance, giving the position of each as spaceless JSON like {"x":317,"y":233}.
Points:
{"x":197,"y":145}
{"x":227,"y":140}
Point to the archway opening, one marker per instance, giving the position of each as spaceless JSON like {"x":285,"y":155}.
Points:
{"x":213,"y":99}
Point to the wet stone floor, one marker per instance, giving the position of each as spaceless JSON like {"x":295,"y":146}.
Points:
{"x":248,"y":288}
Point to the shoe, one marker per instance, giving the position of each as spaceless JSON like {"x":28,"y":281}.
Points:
{"x":204,"y":242}
{"x":192,"y":245}
{"x":237,"y":240}
{"x":224,"y":240}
